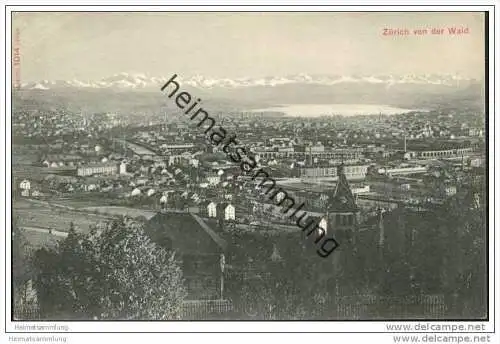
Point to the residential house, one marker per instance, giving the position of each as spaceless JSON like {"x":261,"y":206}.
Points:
{"x":212,"y":209}
{"x":123,"y":168}
{"x":135,"y":192}
{"x":213,"y":179}
{"x":164,"y":200}
{"x":226,"y":211}
{"x":25,"y":187}
{"x":200,"y":249}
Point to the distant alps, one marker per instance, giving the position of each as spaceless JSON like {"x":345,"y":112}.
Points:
{"x":139,"y":81}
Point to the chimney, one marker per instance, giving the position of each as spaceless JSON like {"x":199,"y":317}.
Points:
{"x":381,"y":229}
{"x":310,"y":159}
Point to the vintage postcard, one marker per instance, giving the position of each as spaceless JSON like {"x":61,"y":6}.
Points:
{"x":250,"y":166}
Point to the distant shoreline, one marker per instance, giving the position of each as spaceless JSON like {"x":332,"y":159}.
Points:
{"x":347,"y":110}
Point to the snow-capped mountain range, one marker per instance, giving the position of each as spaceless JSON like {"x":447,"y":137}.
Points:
{"x":138,"y":81}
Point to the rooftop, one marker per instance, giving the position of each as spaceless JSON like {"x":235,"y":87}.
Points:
{"x":186,"y":232}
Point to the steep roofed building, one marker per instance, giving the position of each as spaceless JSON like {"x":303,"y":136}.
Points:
{"x":199,"y":247}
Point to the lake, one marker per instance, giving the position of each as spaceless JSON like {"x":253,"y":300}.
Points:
{"x":317,"y":110}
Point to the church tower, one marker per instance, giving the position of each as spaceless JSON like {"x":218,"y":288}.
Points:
{"x":343,"y":212}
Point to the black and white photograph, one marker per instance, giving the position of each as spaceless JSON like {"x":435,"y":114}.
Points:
{"x":248,"y":166}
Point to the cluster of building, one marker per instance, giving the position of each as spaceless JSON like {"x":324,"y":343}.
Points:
{"x":353,"y":171}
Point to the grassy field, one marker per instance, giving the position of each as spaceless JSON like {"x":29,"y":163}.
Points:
{"x":38,"y":240}
{"x":38,"y":215}
{"x":121,"y":211}
{"x":85,"y":201}
{"x":41,"y":215}
{"x":23,"y":155}
{"x":93,"y":203}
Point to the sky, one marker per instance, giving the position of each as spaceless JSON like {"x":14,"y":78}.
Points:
{"x":90,"y":46}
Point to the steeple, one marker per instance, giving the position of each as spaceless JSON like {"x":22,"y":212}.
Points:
{"x":342,"y":199}
{"x":343,"y":212}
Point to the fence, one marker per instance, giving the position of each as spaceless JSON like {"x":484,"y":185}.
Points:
{"x":26,"y":311}
{"x":205,"y":309}
{"x":387,"y":308}
{"x":362,"y":307}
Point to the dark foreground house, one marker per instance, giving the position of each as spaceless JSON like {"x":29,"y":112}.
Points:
{"x":199,"y":247}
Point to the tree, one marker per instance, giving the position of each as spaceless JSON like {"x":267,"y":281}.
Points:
{"x":118,"y":273}
{"x":465,"y":250}
{"x":294,"y":287}
{"x":439,"y":251}
{"x":22,"y":270}
{"x":20,"y":257}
